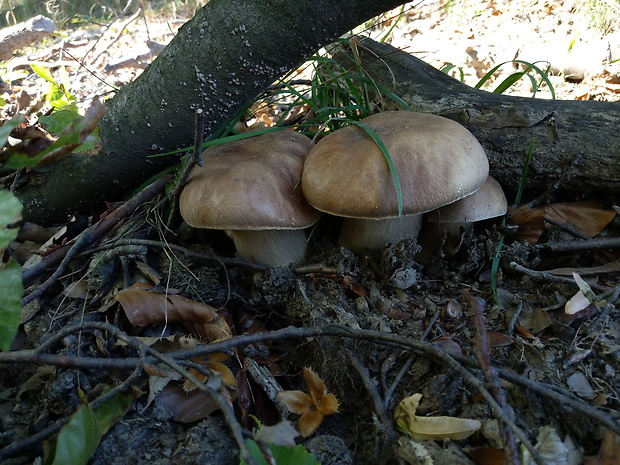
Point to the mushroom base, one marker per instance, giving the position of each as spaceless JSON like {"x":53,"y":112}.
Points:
{"x":359,"y":233}
{"x":271,"y":247}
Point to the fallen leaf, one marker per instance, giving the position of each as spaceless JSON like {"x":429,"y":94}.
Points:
{"x":431,"y":428}
{"x":497,"y":339}
{"x":281,"y":434}
{"x":609,"y":452}
{"x":530,"y":223}
{"x":211,"y":362}
{"x":487,"y":456}
{"x":186,"y":408}
{"x":576,"y":303}
{"x":587,"y":217}
{"x":145,"y":306}
{"x":313,"y":407}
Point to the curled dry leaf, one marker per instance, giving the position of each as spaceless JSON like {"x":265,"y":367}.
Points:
{"x":213,"y":362}
{"x":145,"y":306}
{"x":312,"y":407}
{"x":431,"y":428}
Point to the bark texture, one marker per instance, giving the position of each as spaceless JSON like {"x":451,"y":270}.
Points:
{"x":218,"y":62}
{"x":505,"y":125}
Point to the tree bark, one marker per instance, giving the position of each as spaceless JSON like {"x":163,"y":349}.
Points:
{"x":506,"y":125}
{"x":219,"y":61}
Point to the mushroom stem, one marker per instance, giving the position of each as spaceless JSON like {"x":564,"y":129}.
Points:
{"x":271,"y":247}
{"x":360,"y":233}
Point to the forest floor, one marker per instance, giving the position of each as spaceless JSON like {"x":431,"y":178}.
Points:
{"x":554,"y":343}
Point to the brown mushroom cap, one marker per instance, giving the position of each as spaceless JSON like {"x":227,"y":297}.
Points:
{"x":438,"y":162}
{"x":250,"y":184}
{"x":487,"y":202}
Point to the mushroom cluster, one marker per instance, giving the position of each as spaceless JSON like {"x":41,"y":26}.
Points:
{"x":249,"y":188}
{"x":438,"y":162}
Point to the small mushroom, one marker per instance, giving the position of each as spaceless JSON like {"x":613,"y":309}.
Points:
{"x":487,"y":202}
{"x":249,"y":188}
{"x":437,"y":160}
{"x":446,"y":224}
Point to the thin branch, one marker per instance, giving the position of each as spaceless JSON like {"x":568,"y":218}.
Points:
{"x":90,"y":236}
{"x":551,"y":277}
{"x":483,"y":354}
{"x":18,"y":446}
{"x":378,"y":404}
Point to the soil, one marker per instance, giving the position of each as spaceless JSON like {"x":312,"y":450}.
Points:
{"x":395,"y":291}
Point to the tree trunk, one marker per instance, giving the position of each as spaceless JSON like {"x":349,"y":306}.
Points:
{"x":505,"y":125}
{"x":219,"y":61}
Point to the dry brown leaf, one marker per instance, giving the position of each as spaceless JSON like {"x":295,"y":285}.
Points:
{"x":145,"y":306}
{"x":609,"y":452}
{"x":612,"y":267}
{"x":497,"y":339}
{"x":487,"y":456}
{"x":213,"y":363}
{"x":312,"y":407}
{"x":530,"y":223}
{"x":431,"y":428}
{"x":186,"y":408}
{"x":586,"y":217}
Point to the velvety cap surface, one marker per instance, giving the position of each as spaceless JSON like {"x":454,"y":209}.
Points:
{"x":438,"y":161}
{"x":250,"y":184}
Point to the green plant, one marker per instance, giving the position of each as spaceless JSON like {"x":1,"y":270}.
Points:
{"x":500,"y":243}
{"x":280,"y":455}
{"x":543,"y":77}
{"x":514,"y":77}
{"x":603,"y":14}
{"x":55,"y":92}
{"x":11,"y":288}
{"x":79,"y":438}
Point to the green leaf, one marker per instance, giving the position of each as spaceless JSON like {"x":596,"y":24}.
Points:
{"x":7,"y":127}
{"x":297,"y":455}
{"x":79,"y":438}
{"x":293,"y":455}
{"x":11,"y":291}
{"x":10,"y":213}
{"x":45,"y":73}
{"x":61,"y":119}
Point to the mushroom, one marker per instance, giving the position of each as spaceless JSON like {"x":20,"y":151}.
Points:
{"x":445,"y":225}
{"x":487,"y":202}
{"x":249,"y":188}
{"x":437,"y":160}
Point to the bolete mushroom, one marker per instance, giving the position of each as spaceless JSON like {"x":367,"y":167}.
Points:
{"x":437,"y":160}
{"x":249,"y":188}
{"x":446,"y":224}
{"x":487,"y":202}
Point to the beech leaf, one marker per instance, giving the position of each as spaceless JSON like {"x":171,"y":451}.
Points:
{"x":145,"y":306}
{"x":312,"y":407}
{"x":431,"y":428}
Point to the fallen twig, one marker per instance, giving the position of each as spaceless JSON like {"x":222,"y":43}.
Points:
{"x":454,"y":362}
{"x":45,"y":433}
{"x":91,"y":236}
{"x":551,"y":277}
{"x":483,"y":354}
{"x":579,"y":246}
